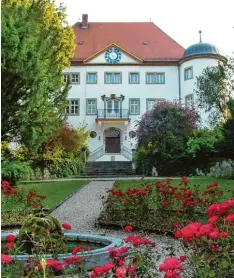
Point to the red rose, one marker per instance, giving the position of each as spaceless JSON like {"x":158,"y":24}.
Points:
{"x":10,"y":237}
{"x":73,"y":260}
{"x":213,"y":219}
{"x":121,"y":271}
{"x":51,"y":263}
{"x":77,"y":249}
{"x":170,"y":264}
{"x":183,"y":258}
{"x":66,"y":226}
{"x":9,"y":245}
{"x":128,"y":229}
{"x":230,"y":218}
{"x":6,"y":259}
{"x":47,"y":230}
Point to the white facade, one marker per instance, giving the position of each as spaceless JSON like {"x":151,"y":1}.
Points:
{"x":174,"y":87}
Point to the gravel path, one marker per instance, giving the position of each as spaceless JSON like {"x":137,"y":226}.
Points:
{"x":82,"y":210}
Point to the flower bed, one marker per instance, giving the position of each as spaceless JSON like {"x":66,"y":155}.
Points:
{"x":157,"y":206}
{"x":209,"y":252}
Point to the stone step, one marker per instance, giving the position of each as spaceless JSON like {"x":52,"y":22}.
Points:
{"x":111,"y":168}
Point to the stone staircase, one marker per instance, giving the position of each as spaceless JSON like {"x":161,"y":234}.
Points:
{"x":108,"y":169}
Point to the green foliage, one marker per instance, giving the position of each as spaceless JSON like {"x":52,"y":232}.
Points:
{"x":214,"y":88}
{"x":33,"y":238}
{"x":37,"y":45}
{"x":163,"y":133}
{"x":226,"y":146}
{"x":16,"y":170}
{"x":62,"y":154}
{"x":204,"y":140}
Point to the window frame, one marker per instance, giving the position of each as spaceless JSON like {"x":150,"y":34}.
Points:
{"x":186,"y":69}
{"x":139,"y":106}
{"x":155,"y":100}
{"x":129,"y":77}
{"x":69,"y":106}
{"x":87,"y":113}
{"x":115,"y":72}
{"x":92,"y":72}
{"x":186,"y":96}
{"x":70,"y":77}
{"x":155,"y":73}
{"x":149,"y":99}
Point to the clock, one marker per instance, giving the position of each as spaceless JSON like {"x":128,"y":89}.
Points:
{"x":113,"y":55}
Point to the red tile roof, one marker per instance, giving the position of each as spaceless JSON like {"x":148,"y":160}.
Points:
{"x":130,"y":36}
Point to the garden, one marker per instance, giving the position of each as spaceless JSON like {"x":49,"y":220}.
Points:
{"x":196,"y":211}
{"x":199,"y":215}
{"x":16,"y":206}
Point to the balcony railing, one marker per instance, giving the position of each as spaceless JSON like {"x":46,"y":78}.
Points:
{"x":112,"y":114}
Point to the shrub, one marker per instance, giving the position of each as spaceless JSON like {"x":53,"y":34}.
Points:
{"x":223,"y":169}
{"x":162,"y":136}
{"x":16,"y":170}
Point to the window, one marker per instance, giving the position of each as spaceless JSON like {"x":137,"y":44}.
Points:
{"x":91,"y":78}
{"x":150,"y":103}
{"x":112,"y":78}
{"x":113,"y":105}
{"x":66,"y":77}
{"x":134,"y":78}
{"x":73,"y":107}
{"x":189,"y":100}
{"x":75,"y":78}
{"x":155,"y":78}
{"x":91,"y":106}
{"x":188,"y":73}
{"x":134,"y":106}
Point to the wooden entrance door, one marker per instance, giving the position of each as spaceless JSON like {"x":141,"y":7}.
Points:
{"x":112,"y":145}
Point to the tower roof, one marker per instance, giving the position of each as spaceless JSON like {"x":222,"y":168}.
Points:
{"x":201,"y":48}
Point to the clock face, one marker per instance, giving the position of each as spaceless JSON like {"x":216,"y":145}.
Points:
{"x":113,"y":55}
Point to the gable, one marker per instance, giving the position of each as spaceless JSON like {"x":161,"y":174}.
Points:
{"x":113,"y":55}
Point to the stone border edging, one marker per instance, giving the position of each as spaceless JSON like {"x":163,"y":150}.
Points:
{"x":115,"y":226}
{"x":18,"y":225}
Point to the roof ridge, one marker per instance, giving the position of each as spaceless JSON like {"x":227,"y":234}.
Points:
{"x":119,"y":22}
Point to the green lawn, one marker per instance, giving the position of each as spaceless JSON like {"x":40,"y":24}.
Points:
{"x":56,"y":192}
{"x":226,"y":185}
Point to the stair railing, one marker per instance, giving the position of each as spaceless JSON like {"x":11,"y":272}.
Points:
{"x":96,"y":154}
{"x":127,"y":152}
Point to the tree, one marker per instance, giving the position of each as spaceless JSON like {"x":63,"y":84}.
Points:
{"x":214,"y":88}
{"x":163,"y":133}
{"x":37,"y":45}
{"x":226,"y":146}
{"x":61,"y":154}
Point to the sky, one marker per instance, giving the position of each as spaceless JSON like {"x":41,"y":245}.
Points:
{"x":180,"y":19}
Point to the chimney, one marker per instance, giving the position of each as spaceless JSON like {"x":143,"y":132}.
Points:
{"x":84,"y":23}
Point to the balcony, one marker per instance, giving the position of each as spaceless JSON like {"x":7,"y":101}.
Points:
{"x":112,"y":115}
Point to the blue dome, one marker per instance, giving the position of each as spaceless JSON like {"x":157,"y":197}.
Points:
{"x":201,"y":48}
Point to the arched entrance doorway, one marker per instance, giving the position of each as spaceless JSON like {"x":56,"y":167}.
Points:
{"x":112,"y":140}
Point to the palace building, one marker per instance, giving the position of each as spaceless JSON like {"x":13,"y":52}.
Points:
{"x":118,"y":71}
